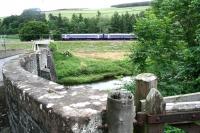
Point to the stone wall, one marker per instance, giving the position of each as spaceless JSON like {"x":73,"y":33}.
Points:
{"x":37,"y":105}
{"x":29,"y":63}
{"x":3,"y":109}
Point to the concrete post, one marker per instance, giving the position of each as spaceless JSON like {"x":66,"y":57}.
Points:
{"x":144,"y":83}
{"x":120,"y":112}
{"x":51,"y":66}
{"x":155,"y":105}
{"x":38,"y":64}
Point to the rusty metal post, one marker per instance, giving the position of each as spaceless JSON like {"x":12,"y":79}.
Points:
{"x":120,"y":112}
{"x":144,"y":83}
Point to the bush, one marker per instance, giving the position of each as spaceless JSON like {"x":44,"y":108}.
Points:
{"x":169,"y":47}
{"x":130,"y":86}
{"x":56,"y":35}
{"x":33,"y":30}
{"x":67,"y":53}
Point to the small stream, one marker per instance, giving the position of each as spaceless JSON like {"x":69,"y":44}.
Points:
{"x":106,"y":85}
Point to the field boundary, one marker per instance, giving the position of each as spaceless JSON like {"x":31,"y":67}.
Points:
{"x":9,"y":53}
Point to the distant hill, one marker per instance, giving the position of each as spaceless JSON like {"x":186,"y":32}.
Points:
{"x":67,"y":9}
{"x":135,"y":4}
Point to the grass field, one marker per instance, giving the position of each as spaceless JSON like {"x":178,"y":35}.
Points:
{"x":13,"y":42}
{"x":91,"y":61}
{"x":106,"y":12}
{"x":93,"y":46}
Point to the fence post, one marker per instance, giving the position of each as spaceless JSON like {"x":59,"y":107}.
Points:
{"x":120,"y":112}
{"x":144,"y":82}
{"x":38,"y":64}
{"x":155,"y":105}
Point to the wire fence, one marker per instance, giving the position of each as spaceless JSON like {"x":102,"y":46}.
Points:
{"x":2,"y":42}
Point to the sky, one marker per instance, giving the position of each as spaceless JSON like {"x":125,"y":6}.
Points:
{"x":15,"y":7}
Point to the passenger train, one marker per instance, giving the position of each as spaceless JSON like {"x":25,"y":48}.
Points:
{"x":116,"y":36}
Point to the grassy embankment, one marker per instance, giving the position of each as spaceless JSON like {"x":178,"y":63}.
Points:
{"x":91,"y":61}
{"x":106,"y":12}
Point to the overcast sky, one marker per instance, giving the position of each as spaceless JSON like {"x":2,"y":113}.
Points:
{"x":15,"y":7}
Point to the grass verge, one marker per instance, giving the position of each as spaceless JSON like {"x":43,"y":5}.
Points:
{"x":73,"y":70}
{"x":91,"y":61}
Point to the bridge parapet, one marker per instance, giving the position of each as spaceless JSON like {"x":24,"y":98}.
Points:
{"x":38,"y":105}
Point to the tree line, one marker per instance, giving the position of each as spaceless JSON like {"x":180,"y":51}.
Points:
{"x":33,"y":23}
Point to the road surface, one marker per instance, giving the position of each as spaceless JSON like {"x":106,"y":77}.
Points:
{"x":2,"y":61}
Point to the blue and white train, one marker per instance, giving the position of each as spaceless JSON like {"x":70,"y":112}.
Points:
{"x":116,"y":36}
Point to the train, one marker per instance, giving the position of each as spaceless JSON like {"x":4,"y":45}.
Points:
{"x":116,"y":36}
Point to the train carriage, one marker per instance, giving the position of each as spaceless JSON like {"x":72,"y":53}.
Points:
{"x":116,"y":36}
{"x":80,"y":36}
{"x":119,"y":36}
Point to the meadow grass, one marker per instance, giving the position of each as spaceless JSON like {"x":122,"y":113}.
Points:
{"x":73,"y":70}
{"x":13,"y":42}
{"x":19,"y":46}
{"x":93,"y":46}
{"x":105,"y":12}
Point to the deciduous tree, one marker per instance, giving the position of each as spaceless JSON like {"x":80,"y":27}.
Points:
{"x":33,"y":30}
{"x":169,"y":44}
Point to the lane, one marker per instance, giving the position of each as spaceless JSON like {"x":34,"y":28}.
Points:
{"x":2,"y":61}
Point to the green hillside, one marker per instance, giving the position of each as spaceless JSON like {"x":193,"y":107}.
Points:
{"x":107,"y":12}
{"x":134,"y":4}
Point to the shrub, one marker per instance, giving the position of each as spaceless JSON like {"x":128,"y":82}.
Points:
{"x":33,"y":30}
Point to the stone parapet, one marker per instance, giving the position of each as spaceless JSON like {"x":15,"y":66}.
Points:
{"x":37,"y":105}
